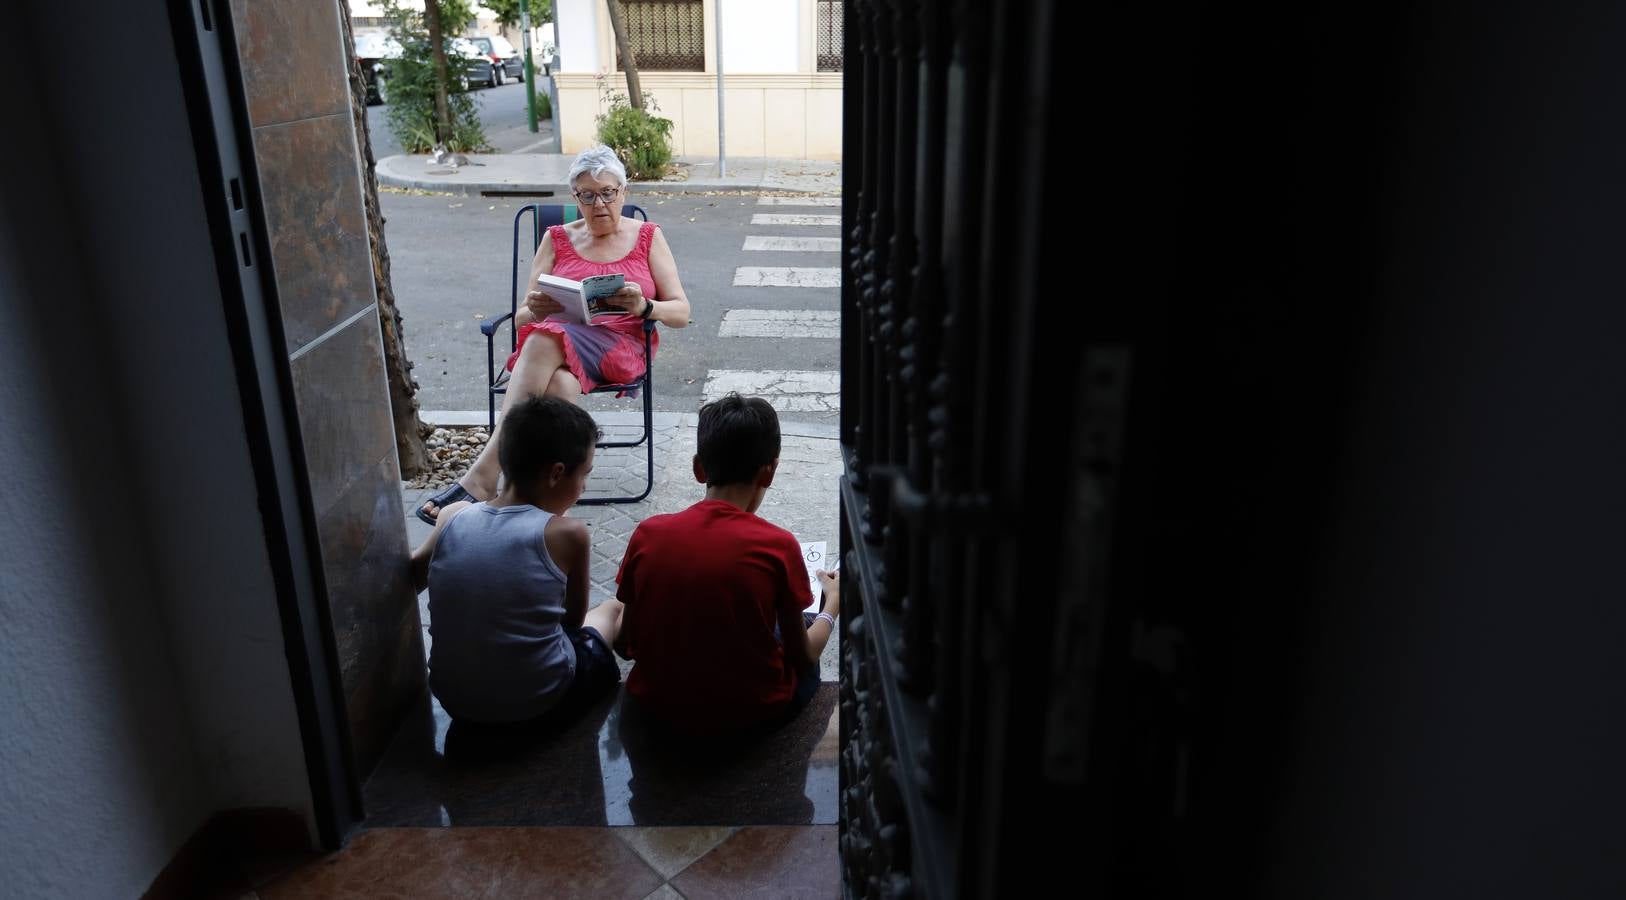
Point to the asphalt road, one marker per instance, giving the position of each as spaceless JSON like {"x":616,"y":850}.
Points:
{"x":502,"y":112}
{"x":451,"y":267}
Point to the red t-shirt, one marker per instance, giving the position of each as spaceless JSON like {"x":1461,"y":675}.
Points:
{"x":703,"y":589}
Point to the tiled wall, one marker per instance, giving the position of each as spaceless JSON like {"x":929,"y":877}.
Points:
{"x":292,"y":56}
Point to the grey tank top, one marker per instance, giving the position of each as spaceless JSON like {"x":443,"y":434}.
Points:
{"x":498,"y":651}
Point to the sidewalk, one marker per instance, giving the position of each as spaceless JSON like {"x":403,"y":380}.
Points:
{"x":544,"y":173}
{"x":803,"y":499}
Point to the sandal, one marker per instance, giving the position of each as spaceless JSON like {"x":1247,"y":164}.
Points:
{"x":444,"y":499}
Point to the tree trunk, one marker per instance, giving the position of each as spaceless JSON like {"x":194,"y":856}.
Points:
{"x":409,"y":429}
{"x":437,"y":46}
{"x":618,"y":24}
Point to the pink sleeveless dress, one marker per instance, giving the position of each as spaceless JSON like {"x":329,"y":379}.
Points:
{"x":611,"y":351}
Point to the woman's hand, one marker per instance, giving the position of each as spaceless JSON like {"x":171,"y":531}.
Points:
{"x":831,"y":585}
{"x":541,"y":305}
{"x":629,"y":298}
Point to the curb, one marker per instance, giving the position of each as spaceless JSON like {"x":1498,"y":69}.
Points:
{"x":441,"y":184}
{"x":452,"y":418}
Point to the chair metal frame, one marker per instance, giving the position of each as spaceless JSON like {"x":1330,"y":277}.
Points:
{"x":542,"y":216}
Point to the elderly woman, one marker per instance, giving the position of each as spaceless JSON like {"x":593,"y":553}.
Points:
{"x":563,"y":359}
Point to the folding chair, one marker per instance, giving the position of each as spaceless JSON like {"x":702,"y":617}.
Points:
{"x":497,"y":379}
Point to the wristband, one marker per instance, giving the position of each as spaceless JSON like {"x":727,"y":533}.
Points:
{"x":828,"y":618}
{"x":649,"y":307}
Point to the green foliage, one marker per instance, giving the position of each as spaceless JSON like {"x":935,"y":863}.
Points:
{"x":641,"y":139}
{"x":508,"y":11}
{"x":411,"y":82}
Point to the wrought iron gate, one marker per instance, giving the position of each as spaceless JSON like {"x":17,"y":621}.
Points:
{"x":963,"y":689}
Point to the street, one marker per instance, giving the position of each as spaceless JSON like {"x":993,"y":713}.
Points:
{"x":760,"y":273}
{"x":502,"y":112}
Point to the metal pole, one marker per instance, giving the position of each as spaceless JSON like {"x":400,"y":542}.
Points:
{"x":553,"y":84}
{"x":530,"y":71}
{"x":722,"y":162}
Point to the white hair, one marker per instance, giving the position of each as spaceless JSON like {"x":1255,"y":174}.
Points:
{"x":596,"y":161}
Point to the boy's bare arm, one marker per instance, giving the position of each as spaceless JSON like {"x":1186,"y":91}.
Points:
{"x":568,"y":543}
{"x":419,"y":567}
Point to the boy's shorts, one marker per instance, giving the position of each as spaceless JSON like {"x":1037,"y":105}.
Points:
{"x":596,"y":675}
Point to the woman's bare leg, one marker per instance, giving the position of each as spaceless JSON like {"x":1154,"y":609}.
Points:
{"x":540,"y":358}
{"x":564,"y":385}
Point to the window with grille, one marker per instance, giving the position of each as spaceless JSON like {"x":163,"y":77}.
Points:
{"x":830,"y":35}
{"x":665,"y":35}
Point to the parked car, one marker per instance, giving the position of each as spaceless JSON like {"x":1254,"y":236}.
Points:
{"x":506,"y":62}
{"x":374,"y":51}
{"x":478,"y":68}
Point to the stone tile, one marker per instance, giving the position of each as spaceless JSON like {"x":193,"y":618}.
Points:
{"x":292,"y":55}
{"x":475,"y":862}
{"x":375,"y":618}
{"x":772,"y":780}
{"x":800,"y":863}
{"x":553,"y":780}
{"x":670,"y":850}
{"x":607,"y":768}
{"x":665,"y":892}
{"x":344,"y":413}
{"x":313,"y":209}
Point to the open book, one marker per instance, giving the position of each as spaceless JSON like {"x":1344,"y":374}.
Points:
{"x":583,"y":300}
{"x":813,"y":554}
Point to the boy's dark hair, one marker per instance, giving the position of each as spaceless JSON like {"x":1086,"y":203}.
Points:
{"x":540,"y":431}
{"x":738,"y":436}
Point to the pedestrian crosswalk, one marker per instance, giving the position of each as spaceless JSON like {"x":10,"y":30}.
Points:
{"x":781,"y":323}
{"x":793,"y":244}
{"x":787,"y":276}
{"x":790,"y":390}
{"x":787,"y":391}
{"x":798,"y":201}
{"x":795,"y":219}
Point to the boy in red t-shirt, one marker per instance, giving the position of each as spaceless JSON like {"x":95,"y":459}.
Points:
{"x":714,"y":594}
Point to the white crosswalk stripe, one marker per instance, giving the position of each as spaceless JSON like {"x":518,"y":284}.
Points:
{"x":798,"y":201}
{"x":794,"y":219}
{"x":787,"y":276}
{"x":781,"y":323}
{"x":805,"y":244}
{"x":785,"y":391}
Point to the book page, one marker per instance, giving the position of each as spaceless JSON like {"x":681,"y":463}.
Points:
{"x":596,"y":288}
{"x":568,"y":293}
{"x":813,"y":553}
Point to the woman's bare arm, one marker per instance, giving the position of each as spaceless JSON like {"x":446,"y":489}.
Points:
{"x":541,"y":264}
{"x":672,"y":310}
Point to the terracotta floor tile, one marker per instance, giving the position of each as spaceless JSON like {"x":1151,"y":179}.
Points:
{"x":474,"y":862}
{"x":671,"y":850}
{"x":786,"y":863}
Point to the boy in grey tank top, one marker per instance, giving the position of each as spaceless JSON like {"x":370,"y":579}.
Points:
{"x":512,"y":640}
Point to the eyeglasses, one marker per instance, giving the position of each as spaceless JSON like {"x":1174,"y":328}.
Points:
{"x":608,"y":195}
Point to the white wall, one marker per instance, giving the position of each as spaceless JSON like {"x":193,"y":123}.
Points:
{"x":760,"y":36}
{"x":578,"y":35}
{"x":142,"y":666}
{"x":98,"y":780}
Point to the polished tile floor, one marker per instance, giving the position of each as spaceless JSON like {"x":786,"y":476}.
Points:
{"x":562,"y":862}
{"x":605,"y":809}
{"x":608,"y":769}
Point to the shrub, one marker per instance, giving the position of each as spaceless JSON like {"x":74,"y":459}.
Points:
{"x":641,"y":139}
{"x":411,"y":87}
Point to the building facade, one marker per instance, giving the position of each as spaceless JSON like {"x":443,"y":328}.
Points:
{"x":781,"y":63}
